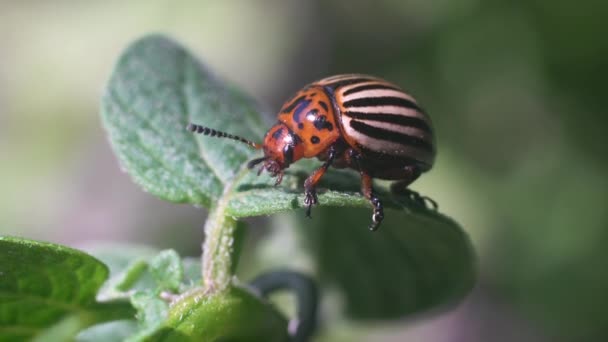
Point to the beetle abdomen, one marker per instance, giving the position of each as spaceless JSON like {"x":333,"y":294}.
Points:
{"x":378,"y":116}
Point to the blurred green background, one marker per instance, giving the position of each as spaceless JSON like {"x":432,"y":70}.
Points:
{"x":516,"y":91}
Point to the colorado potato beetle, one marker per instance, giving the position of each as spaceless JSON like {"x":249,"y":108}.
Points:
{"x":348,"y":121}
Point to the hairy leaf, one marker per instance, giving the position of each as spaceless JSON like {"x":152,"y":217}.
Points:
{"x":155,"y":90}
{"x":42,"y":284}
{"x":232,"y":315}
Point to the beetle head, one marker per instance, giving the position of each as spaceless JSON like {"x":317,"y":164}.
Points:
{"x":281,"y":148}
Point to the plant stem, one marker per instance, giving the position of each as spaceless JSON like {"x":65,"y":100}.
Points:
{"x":219,"y":249}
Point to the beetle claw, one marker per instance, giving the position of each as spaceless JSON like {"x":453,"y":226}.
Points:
{"x":378,"y":214}
{"x":424,"y":201}
{"x":310,"y":198}
{"x":279,"y":178}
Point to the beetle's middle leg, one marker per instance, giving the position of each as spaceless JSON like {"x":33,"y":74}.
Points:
{"x":367,"y":189}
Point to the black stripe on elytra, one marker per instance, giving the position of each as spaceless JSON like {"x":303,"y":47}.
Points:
{"x":375,"y":155}
{"x":324,"y":105}
{"x":382,"y":101}
{"x":395,"y":137}
{"x":292,"y":105}
{"x":373,"y":86}
{"x":398,"y":119}
{"x":348,"y":81}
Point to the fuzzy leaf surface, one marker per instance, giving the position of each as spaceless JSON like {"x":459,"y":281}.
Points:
{"x":43,"y":284}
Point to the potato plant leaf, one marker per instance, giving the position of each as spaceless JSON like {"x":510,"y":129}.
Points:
{"x":44,"y":284}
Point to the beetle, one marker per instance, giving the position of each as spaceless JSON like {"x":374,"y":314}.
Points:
{"x":348,"y":121}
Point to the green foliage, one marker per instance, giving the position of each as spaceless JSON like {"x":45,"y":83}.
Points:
{"x":419,"y":260}
{"x":167,"y":270}
{"x":155,"y":90}
{"x":233,"y":315}
{"x":42,"y":284}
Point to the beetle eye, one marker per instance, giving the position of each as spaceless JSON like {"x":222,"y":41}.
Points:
{"x":288,"y":154}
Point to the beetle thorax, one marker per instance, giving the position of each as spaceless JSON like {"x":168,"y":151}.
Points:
{"x":310,"y":114}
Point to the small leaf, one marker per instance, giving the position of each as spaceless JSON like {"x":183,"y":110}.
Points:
{"x":42,"y":284}
{"x":416,"y":261}
{"x":232,"y":315}
{"x":155,"y":90}
{"x":128,"y":269}
{"x":111,"y":331}
{"x":167,"y":270}
{"x":151,"y":313}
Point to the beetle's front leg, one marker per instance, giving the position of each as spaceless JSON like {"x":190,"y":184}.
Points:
{"x":310,"y":184}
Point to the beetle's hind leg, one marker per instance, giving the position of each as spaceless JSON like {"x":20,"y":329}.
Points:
{"x":400,"y":188}
{"x":368,"y":192}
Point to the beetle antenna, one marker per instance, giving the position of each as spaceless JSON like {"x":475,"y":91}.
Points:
{"x":215,"y":133}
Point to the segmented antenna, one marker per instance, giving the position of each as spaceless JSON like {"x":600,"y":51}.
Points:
{"x":215,"y":133}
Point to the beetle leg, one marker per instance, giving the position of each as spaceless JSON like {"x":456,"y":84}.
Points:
{"x":310,"y":184}
{"x":368,"y":192}
{"x":367,"y":189}
{"x":400,"y":188}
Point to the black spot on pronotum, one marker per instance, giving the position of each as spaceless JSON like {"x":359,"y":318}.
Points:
{"x":277,"y":134}
{"x":300,"y":125}
{"x":292,"y":105}
{"x":299,"y":110}
{"x":315,"y":139}
{"x":324,"y":105}
{"x":321,"y":123}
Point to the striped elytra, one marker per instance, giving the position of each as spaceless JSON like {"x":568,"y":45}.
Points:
{"x":354,"y":121}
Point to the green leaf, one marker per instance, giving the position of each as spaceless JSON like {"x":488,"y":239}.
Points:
{"x":167,"y":270}
{"x":151,"y":313}
{"x":155,"y":90}
{"x":42,"y":284}
{"x":232,"y":315}
{"x":418,"y":260}
{"x":111,"y":331}
{"x":128,"y":269}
